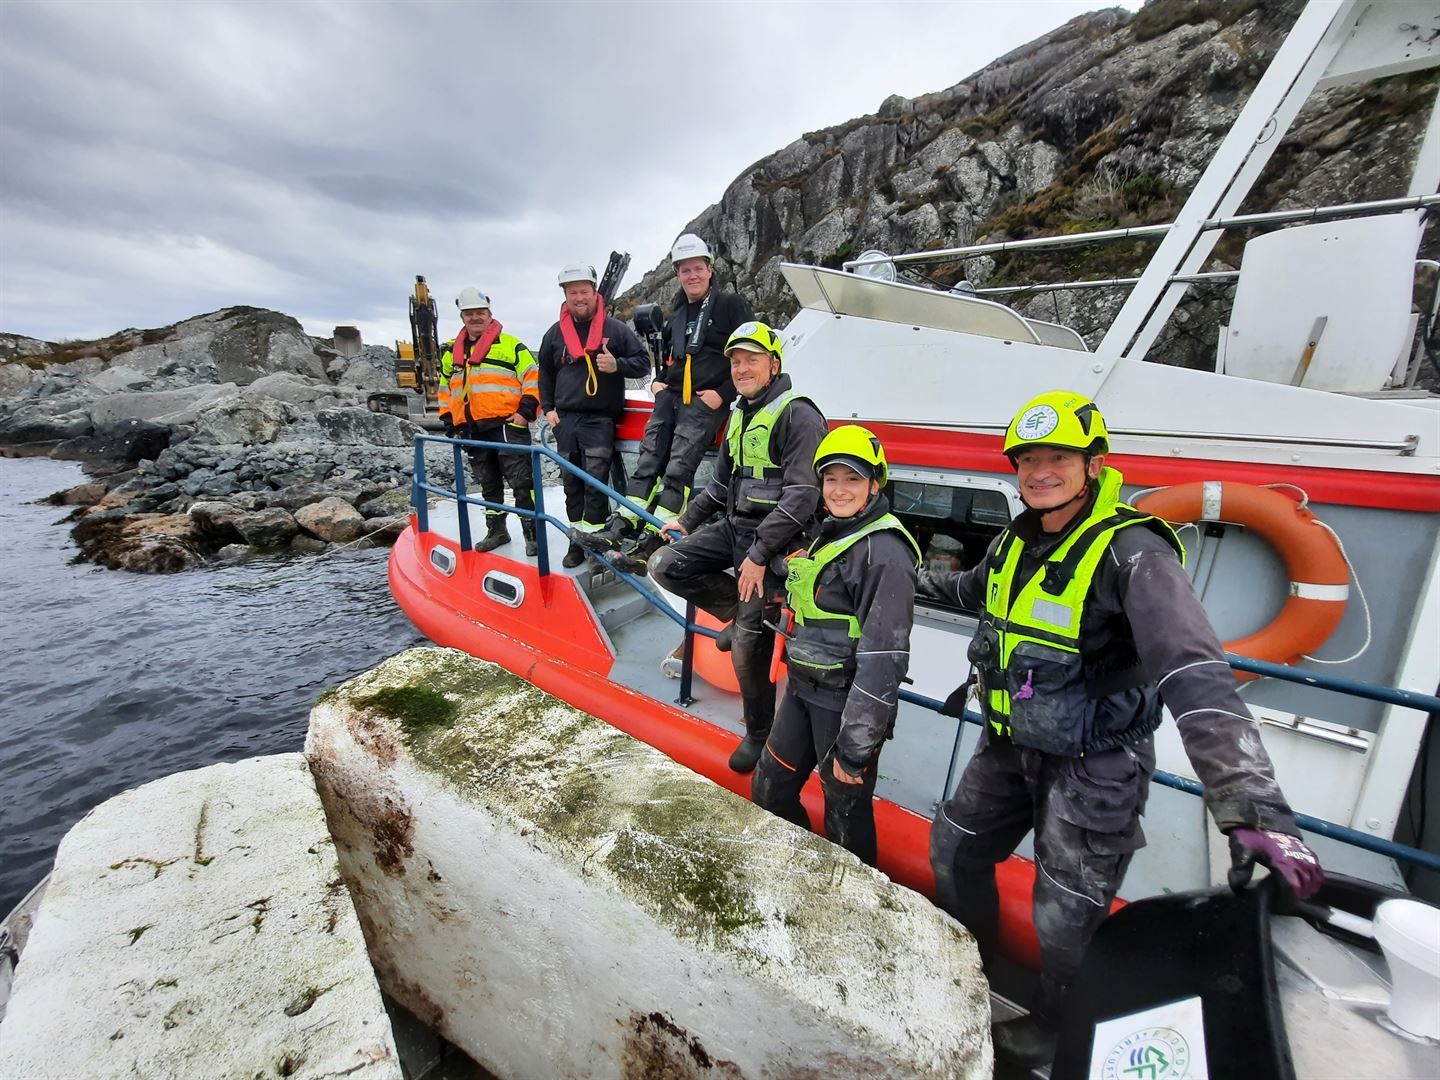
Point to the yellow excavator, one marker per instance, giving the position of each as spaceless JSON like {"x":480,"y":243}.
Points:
{"x":417,"y":367}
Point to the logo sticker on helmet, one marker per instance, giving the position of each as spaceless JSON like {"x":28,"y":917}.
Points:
{"x":1036,"y":423}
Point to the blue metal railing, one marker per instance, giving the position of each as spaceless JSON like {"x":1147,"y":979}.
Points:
{"x":1409,"y":699}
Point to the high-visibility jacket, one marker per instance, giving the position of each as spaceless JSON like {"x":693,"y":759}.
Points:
{"x":447,"y":370}
{"x":489,"y":388}
{"x":756,"y":479}
{"x":1034,"y":684}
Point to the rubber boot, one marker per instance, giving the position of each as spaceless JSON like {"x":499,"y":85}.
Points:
{"x":747,"y":754}
{"x":616,"y":531}
{"x":636,"y":558}
{"x":758,"y":719}
{"x":726,"y":638}
{"x":527,"y":528}
{"x":1029,"y":1041}
{"x":573,"y":557}
{"x":495,"y":534}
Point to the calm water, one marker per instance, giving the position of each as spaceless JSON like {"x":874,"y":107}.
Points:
{"x":111,"y":679}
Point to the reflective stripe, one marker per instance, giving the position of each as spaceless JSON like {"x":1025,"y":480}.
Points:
{"x":1308,"y":591}
{"x":1210,"y":498}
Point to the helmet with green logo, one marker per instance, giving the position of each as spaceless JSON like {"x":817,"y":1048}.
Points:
{"x":755,"y":336}
{"x":1060,"y":418}
{"x":856,"y":447}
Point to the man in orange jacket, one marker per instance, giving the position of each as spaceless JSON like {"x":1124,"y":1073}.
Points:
{"x":494,"y":396}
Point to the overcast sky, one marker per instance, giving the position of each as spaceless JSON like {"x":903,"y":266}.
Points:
{"x":159,"y":160}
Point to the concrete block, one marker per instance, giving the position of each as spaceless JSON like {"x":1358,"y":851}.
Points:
{"x":198,"y":926}
{"x":559,"y":899}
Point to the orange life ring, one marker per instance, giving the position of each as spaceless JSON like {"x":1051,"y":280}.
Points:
{"x":1319,"y":575}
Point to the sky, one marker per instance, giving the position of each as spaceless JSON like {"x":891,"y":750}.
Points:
{"x":160,"y":160}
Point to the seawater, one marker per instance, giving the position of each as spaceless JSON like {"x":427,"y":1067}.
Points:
{"x":110,"y":679}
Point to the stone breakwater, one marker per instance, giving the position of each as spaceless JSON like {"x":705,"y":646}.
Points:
{"x":226,"y":434}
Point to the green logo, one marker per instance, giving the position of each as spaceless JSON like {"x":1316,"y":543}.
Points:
{"x":1157,"y":1053}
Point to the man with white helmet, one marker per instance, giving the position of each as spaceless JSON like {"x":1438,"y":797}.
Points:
{"x":763,"y":496}
{"x":585,"y":359}
{"x":494,"y":395}
{"x":692,"y":400}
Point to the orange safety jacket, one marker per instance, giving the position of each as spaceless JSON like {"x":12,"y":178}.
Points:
{"x":489,"y":387}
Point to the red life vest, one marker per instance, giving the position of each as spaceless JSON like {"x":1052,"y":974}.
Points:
{"x":594,"y":341}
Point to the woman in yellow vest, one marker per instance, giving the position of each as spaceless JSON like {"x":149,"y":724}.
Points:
{"x":1086,"y":615}
{"x":853,"y":597}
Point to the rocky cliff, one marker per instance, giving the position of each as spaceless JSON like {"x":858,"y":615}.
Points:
{"x":1107,"y":121}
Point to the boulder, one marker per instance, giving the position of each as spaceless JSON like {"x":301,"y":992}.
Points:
{"x":272,"y":527}
{"x":307,"y":544}
{"x":43,"y":422}
{"x":150,"y":404}
{"x":559,"y":899}
{"x":146,"y":543}
{"x":395,"y":502}
{"x":118,"y":378}
{"x":198,"y":926}
{"x":365,"y":376}
{"x":240,"y":419}
{"x":216,"y":520}
{"x":354,"y":427}
{"x":14,"y":378}
{"x":331,"y":519}
{"x":87,"y":494}
{"x":130,"y":441}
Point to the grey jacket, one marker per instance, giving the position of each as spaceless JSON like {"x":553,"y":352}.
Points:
{"x":1142,"y":592}
{"x":797,"y":435}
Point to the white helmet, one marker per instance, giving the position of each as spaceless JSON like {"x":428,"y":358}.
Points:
{"x":578,"y":272}
{"x":471,"y":297}
{"x":689,"y":246}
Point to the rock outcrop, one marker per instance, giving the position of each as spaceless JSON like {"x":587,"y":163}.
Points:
{"x":199,"y":926}
{"x":1107,"y":121}
{"x":559,"y":899}
{"x":239,"y":407}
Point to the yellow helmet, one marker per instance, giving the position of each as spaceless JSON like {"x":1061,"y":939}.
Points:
{"x":757,"y":335}
{"x":856,"y":447}
{"x":1058,"y":418}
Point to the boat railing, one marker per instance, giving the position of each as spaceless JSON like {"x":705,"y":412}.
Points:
{"x":1337,"y":684}
{"x":1239,"y":221}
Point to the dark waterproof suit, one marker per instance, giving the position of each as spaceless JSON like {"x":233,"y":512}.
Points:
{"x":678,"y":433}
{"x":843,"y":693}
{"x":1142,"y":633}
{"x":762,"y":519}
{"x":588,"y":410}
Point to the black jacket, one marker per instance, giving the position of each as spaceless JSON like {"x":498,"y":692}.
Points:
{"x":563,"y":378}
{"x":797,"y":434}
{"x":709,"y":370}
{"x":1141,"y":599}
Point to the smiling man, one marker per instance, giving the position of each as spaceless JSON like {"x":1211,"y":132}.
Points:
{"x":692,"y":400}
{"x":1087,"y":616}
{"x":764,"y":489}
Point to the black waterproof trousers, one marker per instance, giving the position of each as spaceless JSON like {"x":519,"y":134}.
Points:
{"x":676,"y":438}
{"x":587,"y":440}
{"x":697,"y":568}
{"x":804,"y":736}
{"x":1086,"y":815}
{"x":491,"y":467}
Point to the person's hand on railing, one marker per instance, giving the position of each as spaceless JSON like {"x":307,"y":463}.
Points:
{"x":1288,"y":857}
{"x":672,"y":531}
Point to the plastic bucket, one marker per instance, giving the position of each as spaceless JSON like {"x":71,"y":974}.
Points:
{"x":1409,"y":935}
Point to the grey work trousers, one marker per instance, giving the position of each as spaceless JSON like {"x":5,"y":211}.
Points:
{"x":676,"y":438}
{"x":696,"y":568}
{"x":1086,"y":815}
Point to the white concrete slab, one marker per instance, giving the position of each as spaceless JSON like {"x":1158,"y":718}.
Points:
{"x":198,"y":926}
{"x":559,"y":899}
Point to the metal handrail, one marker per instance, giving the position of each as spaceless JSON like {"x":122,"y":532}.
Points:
{"x":1331,"y":683}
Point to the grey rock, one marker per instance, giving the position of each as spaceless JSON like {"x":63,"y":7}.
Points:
{"x":393,"y":502}
{"x":217,"y":520}
{"x":234,"y":552}
{"x":150,"y":404}
{"x":15,"y":378}
{"x":38,"y":423}
{"x":14,"y":345}
{"x":355,"y":426}
{"x":307,"y":544}
{"x":272,"y":527}
{"x":118,"y":378}
{"x":240,"y":419}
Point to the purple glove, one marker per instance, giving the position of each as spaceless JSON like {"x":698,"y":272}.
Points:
{"x":1285,"y":855}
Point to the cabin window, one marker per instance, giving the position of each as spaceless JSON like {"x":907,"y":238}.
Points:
{"x":953,"y":518}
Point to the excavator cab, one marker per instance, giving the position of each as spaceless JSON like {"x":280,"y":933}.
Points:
{"x":417,"y":366}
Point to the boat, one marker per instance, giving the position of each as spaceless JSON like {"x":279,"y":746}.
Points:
{"x":1304,"y":470}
